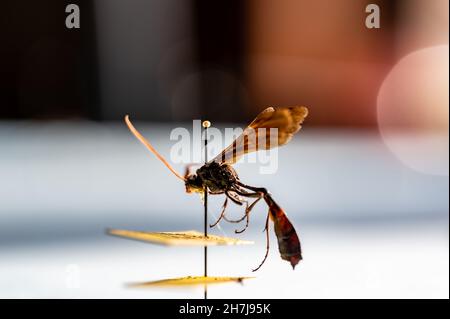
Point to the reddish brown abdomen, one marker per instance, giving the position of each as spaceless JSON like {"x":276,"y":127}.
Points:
{"x":288,"y":242}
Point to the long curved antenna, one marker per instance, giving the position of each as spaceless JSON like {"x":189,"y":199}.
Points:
{"x":150,"y":147}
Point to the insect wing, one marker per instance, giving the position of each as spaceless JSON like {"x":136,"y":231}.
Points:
{"x":270,"y":129}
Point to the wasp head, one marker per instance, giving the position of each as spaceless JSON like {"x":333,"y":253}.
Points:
{"x":194,"y":184}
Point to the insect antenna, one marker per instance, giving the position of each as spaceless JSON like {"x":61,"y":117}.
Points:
{"x":151,"y":148}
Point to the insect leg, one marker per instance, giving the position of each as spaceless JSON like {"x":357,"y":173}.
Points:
{"x":215,"y":193}
{"x":266,"y":229}
{"x":238,"y":200}
{"x":222,"y":214}
{"x":255,"y":189}
{"x":247,"y":214}
{"x":243,"y":192}
{"x":235,"y":198}
{"x":236,"y":221}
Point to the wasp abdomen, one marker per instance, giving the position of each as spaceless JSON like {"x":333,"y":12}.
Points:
{"x":288,"y":242}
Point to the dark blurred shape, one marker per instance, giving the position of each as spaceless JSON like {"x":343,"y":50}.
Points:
{"x":220,"y":32}
{"x":170,"y":60}
{"x":319,"y":54}
{"x":48,"y":71}
{"x":156,"y":60}
{"x":146,"y":62}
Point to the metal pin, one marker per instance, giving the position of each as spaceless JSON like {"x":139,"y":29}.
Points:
{"x":205,"y":125}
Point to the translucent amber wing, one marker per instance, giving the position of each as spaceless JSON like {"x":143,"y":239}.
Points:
{"x":272,"y":127}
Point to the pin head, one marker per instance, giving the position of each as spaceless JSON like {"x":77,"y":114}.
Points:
{"x":206,"y":124}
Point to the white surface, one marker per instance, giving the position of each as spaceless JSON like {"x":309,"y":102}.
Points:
{"x":348,"y":263}
{"x":370,"y":227}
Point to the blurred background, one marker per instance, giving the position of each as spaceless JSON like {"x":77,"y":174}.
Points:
{"x":365,"y":181}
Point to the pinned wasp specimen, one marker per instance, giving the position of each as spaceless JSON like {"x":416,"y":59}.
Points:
{"x":273,"y":127}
